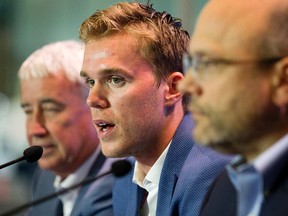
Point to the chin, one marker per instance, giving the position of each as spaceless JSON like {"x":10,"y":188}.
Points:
{"x":111,"y":153}
{"x":223,"y":147}
{"x":114,"y":149}
{"x":48,"y":164}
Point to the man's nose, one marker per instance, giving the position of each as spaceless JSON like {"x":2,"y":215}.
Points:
{"x":189,"y":85}
{"x":36,"y":125}
{"x":97,"y":98}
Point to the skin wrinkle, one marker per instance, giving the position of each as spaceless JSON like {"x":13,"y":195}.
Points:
{"x":57,"y":117}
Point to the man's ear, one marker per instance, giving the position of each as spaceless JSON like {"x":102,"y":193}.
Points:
{"x":280,"y":83}
{"x":173,"y":94}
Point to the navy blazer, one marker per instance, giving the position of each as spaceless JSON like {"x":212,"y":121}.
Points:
{"x":221,"y":200}
{"x":187,"y":173}
{"x":93,"y":199}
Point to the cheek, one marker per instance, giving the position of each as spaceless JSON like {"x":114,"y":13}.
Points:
{"x":142,"y":103}
{"x":63,"y":131}
{"x":214,"y":94}
{"x":237,"y":101}
{"x":137,"y":112}
{"x":29,"y":132}
{"x":223,"y":91}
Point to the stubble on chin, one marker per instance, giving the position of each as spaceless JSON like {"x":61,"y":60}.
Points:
{"x":112,"y":150}
{"x":208,"y":136}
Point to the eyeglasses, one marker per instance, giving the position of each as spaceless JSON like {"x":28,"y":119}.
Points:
{"x":200,"y":64}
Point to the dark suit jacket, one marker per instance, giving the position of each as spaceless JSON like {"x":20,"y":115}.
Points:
{"x":221,"y":199}
{"x":187,"y":172}
{"x":93,"y":199}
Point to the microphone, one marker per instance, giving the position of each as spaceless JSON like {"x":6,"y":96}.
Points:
{"x":118,"y":168}
{"x":31,"y":154}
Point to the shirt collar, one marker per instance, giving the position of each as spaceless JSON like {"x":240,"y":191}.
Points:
{"x":79,"y":175}
{"x":269,"y":164}
{"x":272,"y":155}
{"x":154,"y":173}
{"x":272,"y":161}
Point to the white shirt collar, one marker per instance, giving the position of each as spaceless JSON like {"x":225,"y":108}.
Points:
{"x":269,"y":157}
{"x":263,"y":164}
{"x":150,"y":182}
{"x":79,"y":175}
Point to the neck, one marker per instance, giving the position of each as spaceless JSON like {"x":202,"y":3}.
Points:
{"x":250,"y":149}
{"x":72,"y":164}
{"x":153,"y":152}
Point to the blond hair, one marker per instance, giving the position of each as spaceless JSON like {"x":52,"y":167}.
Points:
{"x":159,"y":36}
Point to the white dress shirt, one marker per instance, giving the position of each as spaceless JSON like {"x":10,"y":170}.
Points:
{"x":150,"y":183}
{"x":68,"y":199}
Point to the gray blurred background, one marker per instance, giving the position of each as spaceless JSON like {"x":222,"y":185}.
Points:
{"x":26,"y":25}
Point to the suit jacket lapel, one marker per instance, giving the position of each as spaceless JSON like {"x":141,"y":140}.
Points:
{"x":222,"y":193}
{"x":135,"y":193}
{"x":44,"y":182}
{"x":276,"y":173}
{"x":97,"y":165}
{"x":133,"y":206}
{"x":177,"y":153}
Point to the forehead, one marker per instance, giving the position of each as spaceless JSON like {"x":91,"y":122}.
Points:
{"x":103,"y":47}
{"x":50,"y":86}
{"x":117,"y":52}
{"x":229,"y":28}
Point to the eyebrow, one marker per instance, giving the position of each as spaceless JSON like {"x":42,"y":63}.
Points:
{"x":46,"y":101}
{"x":203,"y":52}
{"x":83,"y":74}
{"x":199,"y":53}
{"x":107,"y":72}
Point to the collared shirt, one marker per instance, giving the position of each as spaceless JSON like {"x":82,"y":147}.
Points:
{"x":68,"y":199}
{"x":249,"y":178}
{"x":150,"y":182}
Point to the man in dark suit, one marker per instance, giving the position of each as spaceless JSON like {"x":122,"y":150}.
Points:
{"x":132,"y":63}
{"x":237,"y":75}
{"x":57,"y":118}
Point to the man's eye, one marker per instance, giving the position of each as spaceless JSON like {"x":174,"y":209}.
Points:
{"x":51,"y":109}
{"x":90,"y":82}
{"x":208,"y":64}
{"x":27,"y":111}
{"x":115,"y":80}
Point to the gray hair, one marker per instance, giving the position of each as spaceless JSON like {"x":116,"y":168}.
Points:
{"x":62,"y":57}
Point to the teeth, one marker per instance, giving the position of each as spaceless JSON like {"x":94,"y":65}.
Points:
{"x":102,"y":125}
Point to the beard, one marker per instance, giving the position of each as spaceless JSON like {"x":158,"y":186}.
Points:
{"x":237,"y":129}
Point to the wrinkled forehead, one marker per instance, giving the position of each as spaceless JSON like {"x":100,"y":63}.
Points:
{"x":228,"y":27}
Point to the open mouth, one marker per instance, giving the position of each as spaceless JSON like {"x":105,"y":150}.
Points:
{"x":104,"y":126}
